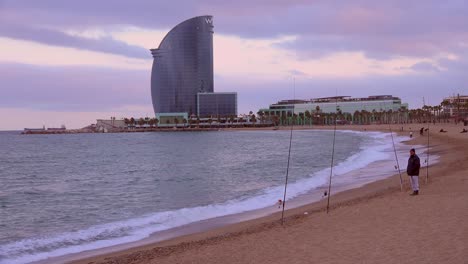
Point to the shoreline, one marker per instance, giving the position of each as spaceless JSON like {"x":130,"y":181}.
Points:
{"x":345,"y":198}
{"x":313,"y":195}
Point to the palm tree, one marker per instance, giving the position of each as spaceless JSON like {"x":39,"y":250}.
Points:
{"x":141,"y":122}
{"x":151,"y":122}
{"x":210,"y":120}
{"x":415,"y":115}
{"x":439,"y":110}
{"x":356,"y":116}
{"x":321,"y":118}
{"x":275,"y":120}
{"x":411,"y":115}
{"x":231,"y":120}
{"x":219,"y":120}
{"x":241,"y":120}
{"x":301,"y":118}
{"x":308,"y":116}
{"x":401,"y":114}
{"x":253,"y":119}
{"x":294,"y":118}
{"x":366,"y":115}
{"x":330,"y":117}
{"x":339,"y":114}
{"x":373,"y":115}
{"x":445,"y":105}
{"x":261,"y":114}
{"x":126,"y":121}
{"x":431,"y":113}
{"x":435,"y":110}
{"x":190,"y":121}
{"x":425,"y":110}
{"x":156,"y":121}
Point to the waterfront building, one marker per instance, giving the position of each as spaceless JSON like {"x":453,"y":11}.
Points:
{"x":183,"y":66}
{"x":346,"y":104}
{"x":172,"y":119}
{"x":455,"y":106}
{"x":183,"y":69}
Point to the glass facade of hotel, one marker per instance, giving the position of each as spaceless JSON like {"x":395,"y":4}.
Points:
{"x":217,"y":104}
{"x":183,"y":66}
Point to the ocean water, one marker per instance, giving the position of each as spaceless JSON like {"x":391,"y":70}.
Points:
{"x":63,"y":194}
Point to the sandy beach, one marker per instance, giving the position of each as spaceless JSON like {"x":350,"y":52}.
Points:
{"x":376,"y":223}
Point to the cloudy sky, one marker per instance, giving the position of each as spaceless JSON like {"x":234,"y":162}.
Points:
{"x":70,"y":62}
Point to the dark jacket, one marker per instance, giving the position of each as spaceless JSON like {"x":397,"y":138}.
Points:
{"x":413,"y":165}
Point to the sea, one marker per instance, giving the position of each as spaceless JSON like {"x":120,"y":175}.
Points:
{"x":64,"y":194}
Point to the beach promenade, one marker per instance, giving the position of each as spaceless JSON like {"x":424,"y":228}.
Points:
{"x":376,"y":223}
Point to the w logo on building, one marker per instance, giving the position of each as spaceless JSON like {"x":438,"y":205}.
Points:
{"x":209,"y":20}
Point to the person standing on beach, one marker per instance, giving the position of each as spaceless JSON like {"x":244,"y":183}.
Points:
{"x":280,"y":202}
{"x":414,"y":165}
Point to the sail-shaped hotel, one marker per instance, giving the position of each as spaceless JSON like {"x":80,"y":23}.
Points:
{"x":182,"y":73}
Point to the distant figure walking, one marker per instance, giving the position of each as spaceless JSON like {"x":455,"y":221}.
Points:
{"x":280,"y":202}
{"x":411,"y":134}
{"x":325,"y":193}
{"x":414,"y":165}
{"x":421,"y":131}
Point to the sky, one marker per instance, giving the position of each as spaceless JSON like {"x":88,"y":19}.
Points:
{"x":72,"y":62}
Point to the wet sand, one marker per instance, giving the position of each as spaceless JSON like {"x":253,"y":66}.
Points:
{"x":370,"y":224}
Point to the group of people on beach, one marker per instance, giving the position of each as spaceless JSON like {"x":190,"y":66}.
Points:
{"x":421,"y":131}
{"x":445,"y":131}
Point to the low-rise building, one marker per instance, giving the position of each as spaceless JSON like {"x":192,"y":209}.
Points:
{"x":172,"y":119}
{"x":346,"y":104}
{"x":455,"y":106}
{"x":110,"y":124}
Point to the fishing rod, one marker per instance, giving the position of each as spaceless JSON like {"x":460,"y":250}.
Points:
{"x":289,"y":152}
{"x":394,"y":150}
{"x":427,"y":149}
{"x":333,"y":155}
